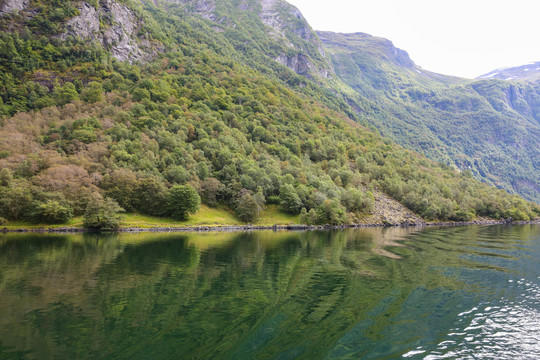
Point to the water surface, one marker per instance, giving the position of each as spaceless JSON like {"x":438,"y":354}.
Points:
{"x":438,"y":293}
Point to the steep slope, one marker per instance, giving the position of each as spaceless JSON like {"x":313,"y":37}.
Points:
{"x":490,"y":127}
{"x":210,"y":108}
{"x":274,"y":28}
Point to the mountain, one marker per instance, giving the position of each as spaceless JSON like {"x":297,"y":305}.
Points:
{"x":490,"y":127}
{"x":526,"y":72}
{"x":234,"y":102}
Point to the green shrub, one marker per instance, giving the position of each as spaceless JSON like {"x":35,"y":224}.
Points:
{"x":52,"y":212}
{"x":247,"y":209}
{"x":103,"y":214}
{"x":182,"y":201}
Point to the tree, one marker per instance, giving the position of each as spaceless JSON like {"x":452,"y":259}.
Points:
{"x":140,"y":95}
{"x":209,"y":191}
{"x":102,"y":214}
{"x":92,"y":93}
{"x":151,"y":195}
{"x":65,"y":94}
{"x":182,"y":201}
{"x":290,"y":201}
{"x":331,"y":212}
{"x":304,"y":216}
{"x":247,"y":208}
{"x":15,"y":200}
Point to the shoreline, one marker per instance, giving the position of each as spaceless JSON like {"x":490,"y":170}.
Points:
{"x":240,"y":228}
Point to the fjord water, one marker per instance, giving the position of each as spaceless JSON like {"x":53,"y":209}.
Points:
{"x":434,"y":293}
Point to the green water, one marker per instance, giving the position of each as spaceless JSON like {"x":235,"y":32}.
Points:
{"x":439,"y":293}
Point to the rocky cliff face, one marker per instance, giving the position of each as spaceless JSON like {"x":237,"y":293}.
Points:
{"x":287,"y":21}
{"x":10,"y":6}
{"x":118,"y":34}
{"x":110,"y":23}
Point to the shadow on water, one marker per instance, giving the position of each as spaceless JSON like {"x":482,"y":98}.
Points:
{"x":370,"y":293}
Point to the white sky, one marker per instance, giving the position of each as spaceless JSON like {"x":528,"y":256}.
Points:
{"x":464,"y":38}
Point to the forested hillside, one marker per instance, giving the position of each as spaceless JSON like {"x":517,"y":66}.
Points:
{"x":151,"y":107}
{"x":488,"y":126}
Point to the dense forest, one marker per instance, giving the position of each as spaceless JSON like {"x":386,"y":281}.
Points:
{"x":195,"y":118}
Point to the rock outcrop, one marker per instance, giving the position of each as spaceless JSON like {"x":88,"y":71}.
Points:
{"x":119,"y":34}
{"x":10,"y":6}
{"x":287,"y":21}
{"x":85,"y":25}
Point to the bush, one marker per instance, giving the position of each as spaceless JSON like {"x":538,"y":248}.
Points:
{"x":182,"y":201}
{"x":52,"y":212}
{"x":247,"y":208}
{"x":290,"y":201}
{"x":65,"y":94}
{"x":209,"y":191}
{"x":92,"y":93}
{"x":332,"y":213}
{"x":102,"y":214}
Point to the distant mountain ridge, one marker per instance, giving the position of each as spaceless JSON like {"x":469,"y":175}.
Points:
{"x":530,"y":71}
{"x":373,"y":45}
{"x":488,"y":126}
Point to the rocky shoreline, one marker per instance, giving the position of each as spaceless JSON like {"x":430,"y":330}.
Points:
{"x":296,"y":227}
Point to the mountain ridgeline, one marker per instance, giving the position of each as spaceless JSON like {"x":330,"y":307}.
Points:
{"x":529,"y":71}
{"x":155,"y":106}
{"x":490,"y":127}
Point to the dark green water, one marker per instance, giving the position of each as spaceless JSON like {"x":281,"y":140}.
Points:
{"x":439,"y":293}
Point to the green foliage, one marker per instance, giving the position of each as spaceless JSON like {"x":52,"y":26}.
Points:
{"x":247,"y":209}
{"x":210,"y":188}
{"x":102,"y":214}
{"x":52,"y":212}
{"x":182,"y":201}
{"x":309,"y":218}
{"x":92,"y":92}
{"x":331,"y":213}
{"x":355,"y":200}
{"x":289,"y":200}
{"x":15,"y":200}
{"x":65,"y":93}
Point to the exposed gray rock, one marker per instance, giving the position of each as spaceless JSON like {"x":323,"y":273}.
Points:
{"x":203,"y":8}
{"x":286,"y":20}
{"x":85,"y":25}
{"x":270,"y":16}
{"x":299,"y":63}
{"x":10,"y":6}
{"x":119,"y":35}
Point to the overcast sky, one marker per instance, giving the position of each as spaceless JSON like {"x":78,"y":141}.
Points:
{"x":464,"y":38}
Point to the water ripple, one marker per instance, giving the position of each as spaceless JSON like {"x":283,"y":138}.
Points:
{"x":505,"y":331}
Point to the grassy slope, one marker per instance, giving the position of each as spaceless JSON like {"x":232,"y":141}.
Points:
{"x":206,"y":216}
